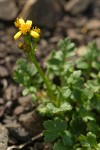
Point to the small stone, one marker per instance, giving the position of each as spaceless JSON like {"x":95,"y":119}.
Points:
{"x":2,"y":109}
{"x":76,"y":7}
{"x":96,"y":9}
{"x":8,"y":104}
{"x":1,"y":101}
{"x":55,"y":39}
{"x":93,"y":24}
{"x":32,"y":122}
{"x":25,"y":101}
{"x":46,"y":13}
{"x":95,"y":33}
{"x":3,"y":137}
{"x":73,"y":34}
{"x":3,"y":72}
{"x":8,"y":10}
{"x":98,"y":41}
{"x":10,"y":92}
{"x":18,"y":110}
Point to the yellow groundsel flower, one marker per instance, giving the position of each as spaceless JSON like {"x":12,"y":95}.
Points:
{"x":23,"y":26}
{"x":35,"y":32}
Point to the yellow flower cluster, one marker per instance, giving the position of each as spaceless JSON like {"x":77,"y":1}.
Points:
{"x":26,"y":27}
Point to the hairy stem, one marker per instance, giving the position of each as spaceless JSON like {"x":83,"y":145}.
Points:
{"x":46,"y":81}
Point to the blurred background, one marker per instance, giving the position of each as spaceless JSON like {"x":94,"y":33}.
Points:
{"x":77,"y":19}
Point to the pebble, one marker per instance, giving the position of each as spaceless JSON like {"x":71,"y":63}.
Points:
{"x":3,"y":71}
{"x":18,"y":110}
{"x":3,"y":138}
{"x":76,"y":7}
{"x":8,"y":10}
{"x":51,"y":13}
{"x":25,"y":101}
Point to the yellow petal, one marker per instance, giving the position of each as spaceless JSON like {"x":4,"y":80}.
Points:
{"x":21,"y":21}
{"x":34,"y":34}
{"x":29,"y":22}
{"x":17,"y":35}
{"x":36,"y":29}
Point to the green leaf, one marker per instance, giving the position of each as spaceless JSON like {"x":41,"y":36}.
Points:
{"x":26,"y":75}
{"x":93,"y":127}
{"x":25,"y":92}
{"x":88,"y":141}
{"x":75,"y":84}
{"x":75,"y":125}
{"x":57,"y":61}
{"x":67,"y":138}
{"x":75,"y":78}
{"x":66,"y":92}
{"x":98,"y":146}
{"x":54,"y":129}
{"x":82,"y":64}
{"x":33,"y":97}
{"x":96,"y":65}
{"x":86,"y":114}
{"x":66,"y":46}
{"x":60,"y":146}
{"x":32,"y":89}
{"x":84,"y":142}
{"x":92,"y":139}
{"x":63,"y":108}
{"x":76,"y":74}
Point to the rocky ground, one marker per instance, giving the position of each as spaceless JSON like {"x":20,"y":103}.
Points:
{"x":21,"y":126}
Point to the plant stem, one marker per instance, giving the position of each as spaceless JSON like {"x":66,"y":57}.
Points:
{"x":46,"y":81}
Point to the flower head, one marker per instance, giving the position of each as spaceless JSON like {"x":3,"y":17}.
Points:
{"x":35,"y":32}
{"x":24,"y":27}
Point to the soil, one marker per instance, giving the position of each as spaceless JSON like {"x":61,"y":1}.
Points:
{"x":17,"y":113}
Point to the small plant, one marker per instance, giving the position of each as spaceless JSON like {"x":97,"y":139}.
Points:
{"x":68,"y":93}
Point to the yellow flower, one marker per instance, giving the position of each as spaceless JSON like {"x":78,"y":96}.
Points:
{"x":35,"y":32}
{"x":23,"y":26}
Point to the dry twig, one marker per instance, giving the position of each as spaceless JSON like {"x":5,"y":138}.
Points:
{"x":25,"y":144}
